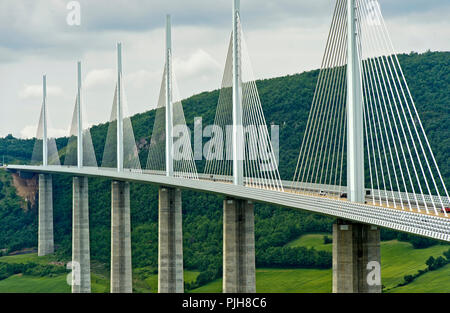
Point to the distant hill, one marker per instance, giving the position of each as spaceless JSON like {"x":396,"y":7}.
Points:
{"x":286,"y":102}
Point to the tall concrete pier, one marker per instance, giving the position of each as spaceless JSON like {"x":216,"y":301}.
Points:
{"x":45,"y":232}
{"x":81,"y":259}
{"x":356,"y":258}
{"x":121,"y":276}
{"x":238,"y":246}
{"x":170,"y":242}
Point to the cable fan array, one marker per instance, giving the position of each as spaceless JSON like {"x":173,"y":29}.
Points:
{"x":260,"y":164}
{"x":71,"y":155}
{"x":400,"y":167}
{"x":52,"y":151}
{"x":321,"y":159}
{"x":183,"y":158}
{"x":131,"y":160}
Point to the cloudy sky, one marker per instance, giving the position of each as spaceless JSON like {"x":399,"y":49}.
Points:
{"x":283,"y":37}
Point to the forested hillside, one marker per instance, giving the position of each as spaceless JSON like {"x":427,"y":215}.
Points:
{"x":286,"y":102}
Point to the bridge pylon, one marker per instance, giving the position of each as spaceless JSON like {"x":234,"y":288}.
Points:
{"x":45,"y":216}
{"x":170,"y":227}
{"x":81,"y":258}
{"x":121,"y":274}
{"x":169,"y":104}
{"x":238,"y":131}
{"x":238,"y":214}
{"x":356,"y":247}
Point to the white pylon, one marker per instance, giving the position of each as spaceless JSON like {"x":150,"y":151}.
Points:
{"x":44,"y":122}
{"x":238,"y":133}
{"x":355,"y":127}
{"x":119,"y":110}
{"x":79,"y":120}
{"x":169,"y":106}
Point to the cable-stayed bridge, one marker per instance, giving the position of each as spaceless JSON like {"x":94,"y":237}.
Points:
{"x":364,"y":159}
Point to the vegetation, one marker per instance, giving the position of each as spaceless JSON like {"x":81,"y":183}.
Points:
{"x":432,"y":263}
{"x":397,"y":259}
{"x":286,"y":102}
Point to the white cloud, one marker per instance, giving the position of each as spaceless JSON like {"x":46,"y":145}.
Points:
{"x":29,"y":131}
{"x":99,"y":78}
{"x":35,"y":91}
{"x":140,"y":78}
{"x":199,"y":64}
{"x":283,"y":37}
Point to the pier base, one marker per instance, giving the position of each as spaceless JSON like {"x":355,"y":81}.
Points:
{"x":170,"y":242}
{"x":45,"y":231}
{"x":356,"y":258}
{"x":238,"y":246}
{"x":121,"y":276}
{"x":81,"y":260}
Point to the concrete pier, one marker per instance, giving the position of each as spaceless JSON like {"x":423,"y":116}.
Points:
{"x":238,"y":246}
{"x":121,"y":276}
{"x":45,"y":231}
{"x":170,"y":241}
{"x":81,"y":260}
{"x":356,"y":258}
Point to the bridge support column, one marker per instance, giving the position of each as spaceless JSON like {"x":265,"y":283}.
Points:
{"x":121,"y":276}
{"x":81,"y":260}
{"x":238,"y":246}
{"x":170,"y":242}
{"x":45,"y":232}
{"x":356,"y":258}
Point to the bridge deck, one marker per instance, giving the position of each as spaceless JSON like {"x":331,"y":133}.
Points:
{"x":384,"y":204}
{"x":428,"y":225}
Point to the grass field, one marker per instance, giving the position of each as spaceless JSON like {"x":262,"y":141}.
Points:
{"x":58,"y":284}
{"x":282,"y":281}
{"x":397,"y":260}
{"x":400,"y":258}
{"x":312,"y":241}
{"x":152,"y":280}
{"x":435,"y":281}
{"x":23,"y":283}
{"x":27,"y":258}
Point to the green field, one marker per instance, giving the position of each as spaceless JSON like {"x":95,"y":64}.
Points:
{"x":27,"y":258}
{"x":400,"y":258}
{"x":282,"y":281}
{"x":397,"y":260}
{"x":312,"y":241}
{"x":58,"y":284}
{"x":435,"y":281}
{"x":152,"y":280}
{"x":23,"y":283}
